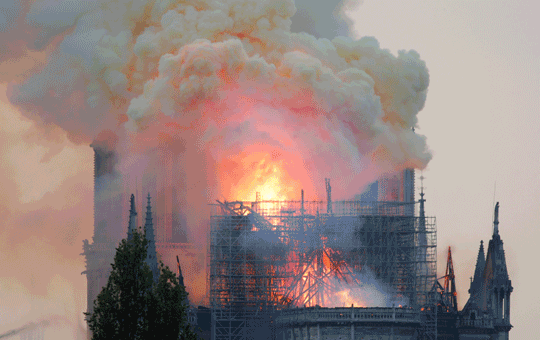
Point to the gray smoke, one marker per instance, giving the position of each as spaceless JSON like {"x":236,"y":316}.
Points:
{"x":323,"y":19}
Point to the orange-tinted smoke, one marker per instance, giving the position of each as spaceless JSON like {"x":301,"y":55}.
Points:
{"x":244,"y":103}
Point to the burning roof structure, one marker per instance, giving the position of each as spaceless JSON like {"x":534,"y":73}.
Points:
{"x":267,"y":256}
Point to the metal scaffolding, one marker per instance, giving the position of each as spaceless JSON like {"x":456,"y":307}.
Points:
{"x":266,"y":256}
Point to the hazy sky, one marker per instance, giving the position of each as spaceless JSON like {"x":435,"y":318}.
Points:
{"x":481,"y":120}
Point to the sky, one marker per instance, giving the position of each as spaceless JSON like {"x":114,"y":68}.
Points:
{"x":481,"y":121}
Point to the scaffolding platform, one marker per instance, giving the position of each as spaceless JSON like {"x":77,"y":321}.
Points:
{"x":269,"y":256}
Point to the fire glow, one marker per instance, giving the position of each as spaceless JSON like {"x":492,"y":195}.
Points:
{"x":245,"y":104}
{"x":331,"y":290}
{"x":255,"y":170}
{"x":327,"y":281}
{"x":267,"y":178}
{"x":240,"y":102}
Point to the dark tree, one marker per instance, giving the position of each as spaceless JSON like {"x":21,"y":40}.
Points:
{"x":133,"y":306}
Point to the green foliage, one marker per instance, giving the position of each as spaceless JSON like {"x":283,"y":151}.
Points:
{"x":134,"y":306}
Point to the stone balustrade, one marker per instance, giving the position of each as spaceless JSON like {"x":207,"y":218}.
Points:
{"x":352,"y":314}
{"x":479,"y":323}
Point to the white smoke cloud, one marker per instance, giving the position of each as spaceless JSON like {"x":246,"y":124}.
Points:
{"x":370,"y":292}
{"x":109,"y":62}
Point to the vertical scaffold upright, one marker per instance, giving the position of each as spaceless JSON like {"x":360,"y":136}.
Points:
{"x":266,"y":256}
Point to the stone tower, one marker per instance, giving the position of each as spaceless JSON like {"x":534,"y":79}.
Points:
{"x":498,"y":286}
{"x":151,"y":258}
{"x":487,"y":312}
{"x":108,"y":216}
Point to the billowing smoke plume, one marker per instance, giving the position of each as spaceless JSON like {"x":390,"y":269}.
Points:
{"x":327,"y":19}
{"x":226,"y":78}
{"x":244,"y":104}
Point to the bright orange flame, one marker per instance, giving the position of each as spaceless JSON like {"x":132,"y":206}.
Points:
{"x":272,"y":189}
{"x":260,"y":171}
{"x":320,"y":284}
{"x":345,"y":299}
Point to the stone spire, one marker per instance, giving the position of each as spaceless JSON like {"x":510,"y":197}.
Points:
{"x":496,"y":220}
{"x":150,"y":236}
{"x":180,"y":276}
{"x":495,"y":258}
{"x":498,"y":286}
{"x":476,"y":283}
{"x":490,"y":291}
{"x":132,"y":226}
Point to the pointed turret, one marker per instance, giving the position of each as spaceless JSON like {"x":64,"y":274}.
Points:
{"x":495,"y":258}
{"x":132,"y":226}
{"x":149,"y":230}
{"x":180,"y":276}
{"x":497,"y":283}
{"x":496,"y":220}
{"x":490,"y":292}
{"x":476,"y":282}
